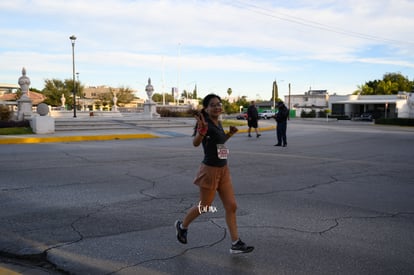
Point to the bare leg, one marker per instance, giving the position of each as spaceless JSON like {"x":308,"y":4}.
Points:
{"x":206,"y":199}
{"x":226,"y":194}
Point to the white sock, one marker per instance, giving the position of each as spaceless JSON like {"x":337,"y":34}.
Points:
{"x":233,"y":243}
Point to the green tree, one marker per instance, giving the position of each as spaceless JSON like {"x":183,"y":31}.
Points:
{"x":392,"y":83}
{"x":195,"y":92}
{"x":364,"y":90}
{"x":124,"y":94}
{"x":54,"y":88}
{"x":158,"y":97}
{"x":229,"y":108}
{"x":229,"y":91}
{"x":53,"y":91}
{"x":400,"y":82}
{"x":242,"y":101}
{"x":104,"y":99}
{"x":5,"y":113}
{"x":387,"y":88}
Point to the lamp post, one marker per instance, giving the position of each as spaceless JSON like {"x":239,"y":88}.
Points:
{"x":72,"y":39}
{"x":81,"y":102}
{"x":289,"y":98}
{"x":274,"y":92}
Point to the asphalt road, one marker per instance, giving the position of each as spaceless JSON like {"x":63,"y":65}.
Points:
{"x":337,"y":200}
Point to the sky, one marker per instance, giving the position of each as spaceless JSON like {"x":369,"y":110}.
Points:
{"x":214,"y":45}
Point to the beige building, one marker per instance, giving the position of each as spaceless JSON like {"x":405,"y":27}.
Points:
{"x":8,"y":88}
{"x":93,"y":92}
{"x":90,"y":97}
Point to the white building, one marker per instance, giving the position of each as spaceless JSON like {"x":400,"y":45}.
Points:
{"x":316,"y":100}
{"x":400,"y":105}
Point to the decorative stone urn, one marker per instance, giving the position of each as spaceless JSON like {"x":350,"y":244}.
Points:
{"x":24,"y":103}
{"x":150,"y":108}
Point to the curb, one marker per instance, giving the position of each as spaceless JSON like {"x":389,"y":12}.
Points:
{"x":7,"y":271}
{"x":20,"y":140}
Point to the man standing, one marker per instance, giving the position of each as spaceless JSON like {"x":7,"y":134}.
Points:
{"x":281,"y":119}
{"x":252,"y":118}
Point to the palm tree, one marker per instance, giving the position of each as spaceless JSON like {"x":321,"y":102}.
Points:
{"x":275,"y":93}
{"x":229,"y":91}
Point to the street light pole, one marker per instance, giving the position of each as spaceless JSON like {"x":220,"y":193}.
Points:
{"x":289,"y":97}
{"x":72,"y":39}
{"x":78,"y":91}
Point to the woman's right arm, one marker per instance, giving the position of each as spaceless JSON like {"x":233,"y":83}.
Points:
{"x":198,"y":138}
{"x":201,"y":132}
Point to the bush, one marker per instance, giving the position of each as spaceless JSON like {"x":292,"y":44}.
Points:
{"x":395,"y":121}
{"x":321,"y":113}
{"x":165,"y":112}
{"x":5,"y":113}
{"x":306,"y":114}
{"x":11,"y":124}
{"x":340,"y":117}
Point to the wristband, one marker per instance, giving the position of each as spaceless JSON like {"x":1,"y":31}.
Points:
{"x":202,"y":131}
{"x":203,"y":135}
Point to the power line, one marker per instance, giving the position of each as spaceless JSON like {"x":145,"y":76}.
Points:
{"x":313,"y":24}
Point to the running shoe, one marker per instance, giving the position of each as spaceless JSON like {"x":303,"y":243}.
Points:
{"x":240,"y":247}
{"x":181,"y":233}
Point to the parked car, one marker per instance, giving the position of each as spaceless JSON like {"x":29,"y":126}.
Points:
{"x":366,"y":116}
{"x":266,"y":114}
{"x":242,"y":115}
{"x":370,"y":115}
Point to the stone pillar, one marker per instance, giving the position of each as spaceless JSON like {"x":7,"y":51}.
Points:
{"x":41,"y":123}
{"x":24,"y":103}
{"x":150,"y":109}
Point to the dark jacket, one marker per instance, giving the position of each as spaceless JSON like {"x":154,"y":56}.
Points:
{"x":282,"y":114}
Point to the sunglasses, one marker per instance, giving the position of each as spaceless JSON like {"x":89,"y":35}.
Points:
{"x":218,"y":105}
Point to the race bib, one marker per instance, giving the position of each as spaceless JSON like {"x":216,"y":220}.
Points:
{"x":222,"y":151}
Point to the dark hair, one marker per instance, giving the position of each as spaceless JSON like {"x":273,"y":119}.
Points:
{"x":206,"y":101}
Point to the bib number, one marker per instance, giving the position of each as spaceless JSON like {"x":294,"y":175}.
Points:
{"x":222,"y":151}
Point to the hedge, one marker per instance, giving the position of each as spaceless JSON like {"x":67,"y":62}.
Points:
{"x":395,"y":121}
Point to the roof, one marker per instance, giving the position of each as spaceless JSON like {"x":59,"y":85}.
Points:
{"x":35,"y":97}
{"x":368,"y":101}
